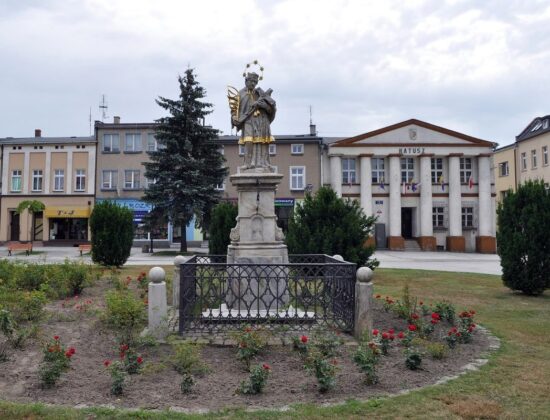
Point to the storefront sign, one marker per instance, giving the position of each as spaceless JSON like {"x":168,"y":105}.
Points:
{"x":284,"y":202}
{"x":411,"y":150}
{"x":67,"y":212}
{"x":135,"y":205}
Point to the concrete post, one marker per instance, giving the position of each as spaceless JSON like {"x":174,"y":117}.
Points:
{"x":363,"y":302}
{"x":180,"y":259}
{"x":158,"y":309}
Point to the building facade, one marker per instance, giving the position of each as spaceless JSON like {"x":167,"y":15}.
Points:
{"x":57,"y":171}
{"x":532,"y":151}
{"x":423,"y":182}
{"x":504,"y":170}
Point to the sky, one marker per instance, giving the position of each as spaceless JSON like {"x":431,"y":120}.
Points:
{"x":477,"y":67}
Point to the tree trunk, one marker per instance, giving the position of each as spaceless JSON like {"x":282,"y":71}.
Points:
{"x":183,"y":237}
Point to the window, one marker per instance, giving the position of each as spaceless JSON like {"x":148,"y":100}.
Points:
{"x":80,"y":184}
{"x":437,"y":170}
{"x":465,"y":170}
{"x":297,"y":149}
{"x":131,"y":179}
{"x":503,"y":169}
{"x":545,"y":155}
{"x":467,"y":217}
{"x":533,"y":159}
{"x":504,"y":194}
{"x":272,"y":149}
{"x":438,"y":217}
{"x":407,"y":169}
{"x":149,"y":182}
{"x":110,"y":180}
{"x":133,"y":142}
{"x":111,"y":143}
{"x":348,"y":171}
{"x":152,"y":145}
{"x":524,"y":161}
{"x":377,"y":170}
{"x":297,"y":177}
{"x":58,"y":180}
{"x":37,"y":180}
{"x":16,"y":180}
{"x":241,"y":149}
{"x":220,"y":187}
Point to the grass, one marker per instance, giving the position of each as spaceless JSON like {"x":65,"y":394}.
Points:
{"x":514,"y":384}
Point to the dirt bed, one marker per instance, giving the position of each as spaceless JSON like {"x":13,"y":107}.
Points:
{"x":88,"y":382}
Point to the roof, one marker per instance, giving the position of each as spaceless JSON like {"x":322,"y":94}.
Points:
{"x":351,"y":140}
{"x":124,"y":126}
{"x":47,"y":140}
{"x":538,"y":126}
{"x":504,"y":148}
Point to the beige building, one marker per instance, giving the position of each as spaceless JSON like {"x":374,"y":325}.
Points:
{"x":504,"y":170}
{"x":59,"y":172}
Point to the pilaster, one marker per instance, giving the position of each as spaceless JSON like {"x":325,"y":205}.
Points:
{"x":366,"y":185}
{"x":336,"y":174}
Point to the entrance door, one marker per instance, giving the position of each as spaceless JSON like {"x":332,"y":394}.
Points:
{"x":406,"y":222}
{"x":14,"y":226}
{"x":38,"y":226}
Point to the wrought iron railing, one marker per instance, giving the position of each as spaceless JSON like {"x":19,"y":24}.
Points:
{"x":311,"y":291}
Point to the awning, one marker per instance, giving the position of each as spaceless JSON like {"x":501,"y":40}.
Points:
{"x":67,"y":212}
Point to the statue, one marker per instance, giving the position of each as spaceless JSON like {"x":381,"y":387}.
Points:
{"x":252,"y":111}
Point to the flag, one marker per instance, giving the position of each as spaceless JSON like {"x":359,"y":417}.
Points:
{"x":442,"y":183}
{"x":382,"y":183}
{"x":471,"y":182}
{"x":415,"y":186}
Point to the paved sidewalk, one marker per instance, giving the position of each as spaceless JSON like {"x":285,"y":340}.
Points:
{"x":442,"y":261}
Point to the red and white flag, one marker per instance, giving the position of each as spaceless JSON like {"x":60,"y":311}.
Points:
{"x":471,"y":182}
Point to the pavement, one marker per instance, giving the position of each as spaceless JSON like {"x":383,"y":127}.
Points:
{"x":439,"y":261}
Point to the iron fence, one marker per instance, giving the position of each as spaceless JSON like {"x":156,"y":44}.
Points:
{"x":310,"y":291}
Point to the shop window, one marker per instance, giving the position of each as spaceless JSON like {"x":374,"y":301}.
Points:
{"x":68,"y":229}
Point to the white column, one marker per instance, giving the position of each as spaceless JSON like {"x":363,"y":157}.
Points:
{"x":336,"y":174}
{"x":5,"y":173}
{"x":91,"y":171}
{"x":455,"y":197}
{"x":69,"y":171}
{"x":426,"y":223}
{"x":47,"y":170}
{"x":395,"y":197}
{"x":484,"y":191}
{"x":366,"y":185}
{"x":27,"y":175}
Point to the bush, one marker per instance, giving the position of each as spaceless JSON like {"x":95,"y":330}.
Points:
{"x":367,"y":357}
{"x":523,"y":238}
{"x":187,"y":359}
{"x":23,"y":305}
{"x":56,"y":360}
{"x":112,"y":230}
{"x":223,"y":219}
{"x":257,"y":380}
{"x":250,"y":341}
{"x":326,"y":224}
{"x":124,"y":314}
{"x":118,"y":376}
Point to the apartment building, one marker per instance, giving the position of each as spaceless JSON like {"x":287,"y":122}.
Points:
{"x":425,"y":183}
{"x":59,"y":172}
{"x":504,"y":170}
{"x":532,"y":151}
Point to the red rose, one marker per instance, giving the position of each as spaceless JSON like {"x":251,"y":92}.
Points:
{"x":449,"y":333}
{"x":421,"y":303}
{"x":139,"y":360}
{"x":265,"y":366}
{"x":392,"y":337}
{"x":415,"y":316}
{"x":434,"y":321}
{"x":401,"y":335}
{"x":458,"y":334}
{"x":72,"y":350}
{"x":454,"y":330}
{"x":412,"y":327}
{"x":385,"y":336}
{"x":124,"y":347}
{"x":68,"y":354}
{"x":391,"y":331}
{"x":473,"y":325}
{"x":436,"y":316}
{"x":470,"y":329}
{"x":106,"y":363}
{"x":375,"y":332}
{"x":378,"y":296}
{"x":303,"y":339}
{"x":247,"y":329}
{"x":472,"y":312}
{"x":56,"y":337}
{"x":51,"y":349}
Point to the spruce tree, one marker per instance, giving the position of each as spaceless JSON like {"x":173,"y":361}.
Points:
{"x":187,"y":165}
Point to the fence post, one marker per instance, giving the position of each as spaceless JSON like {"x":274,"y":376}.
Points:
{"x":180,"y":259}
{"x":363,"y":302}
{"x":157,"y":310}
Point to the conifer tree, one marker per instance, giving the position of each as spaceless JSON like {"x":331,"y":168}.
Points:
{"x":187,"y":165}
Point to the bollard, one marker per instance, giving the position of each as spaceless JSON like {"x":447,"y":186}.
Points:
{"x":158,"y":309}
{"x":363,"y":302}
{"x":180,"y":259}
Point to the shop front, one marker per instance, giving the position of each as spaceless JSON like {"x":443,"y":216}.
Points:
{"x":284,"y":208}
{"x":65,"y":224}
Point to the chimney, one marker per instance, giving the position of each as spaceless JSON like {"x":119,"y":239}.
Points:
{"x":37,"y":132}
{"x":312,"y":130}
{"x":116,"y":120}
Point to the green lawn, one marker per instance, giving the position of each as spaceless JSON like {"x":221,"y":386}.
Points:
{"x":514,"y":384}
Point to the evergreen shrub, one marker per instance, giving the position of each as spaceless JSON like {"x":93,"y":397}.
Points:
{"x":223,"y":219}
{"x":112,"y":229}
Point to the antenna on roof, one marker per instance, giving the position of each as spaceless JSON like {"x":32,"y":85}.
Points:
{"x":103,"y":106}
{"x":312,"y":128}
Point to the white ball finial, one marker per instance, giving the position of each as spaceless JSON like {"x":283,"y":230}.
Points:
{"x":338,"y":257}
{"x":157,"y":275}
{"x":364,"y":274}
{"x":180,"y":259}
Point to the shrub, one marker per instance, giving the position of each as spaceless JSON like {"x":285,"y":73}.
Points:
{"x":300,"y":344}
{"x":130,"y":360}
{"x":56,"y":360}
{"x":446,"y":311}
{"x":124,"y":314}
{"x":223,"y":219}
{"x":328,"y":343}
{"x":24,"y":305}
{"x":187,"y":359}
{"x":413,"y":358}
{"x":118,"y":376}
{"x":187,"y":383}
{"x":452,"y":337}
{"x":523,"y":238}
{"x":257,"y":380}
{"x":324,"y":370}
{"x":438,"y":351}
{"x":112,"y":229}
{"x":327,"y":224}
{"x":367,"y":357}
{"x":250,"y":341}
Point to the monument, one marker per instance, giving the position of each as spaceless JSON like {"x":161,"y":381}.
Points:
{"x":256,"y":240}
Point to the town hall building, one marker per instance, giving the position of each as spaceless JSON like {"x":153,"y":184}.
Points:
{"x":425,"y":183}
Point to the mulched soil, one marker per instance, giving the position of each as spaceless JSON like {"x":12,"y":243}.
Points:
{"x":88,"y":382}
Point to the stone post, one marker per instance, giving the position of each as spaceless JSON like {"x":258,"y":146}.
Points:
{"x":363,"y":302}
{"x":158,"y":309}
{"x":180,"y":259}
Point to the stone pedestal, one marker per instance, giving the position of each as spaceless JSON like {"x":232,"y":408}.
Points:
{"x":157,"y":305}
{"x":257,"y":241}
{"x":363,"y":302}
{"x":456,"y":243}
{"x":427,"y":243}
{"x":396,"y":243}
{"x":486,"y":244}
